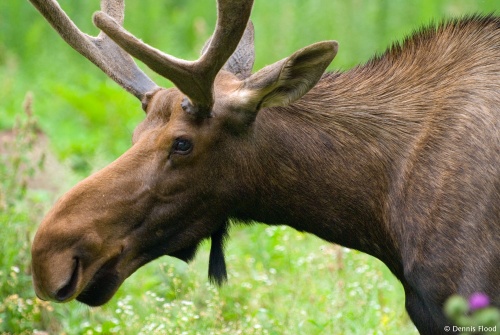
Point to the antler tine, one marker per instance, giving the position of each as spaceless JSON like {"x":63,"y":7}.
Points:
{"x":101,"y":50}
{"x":193,"y":78}
{"x":115,"y":9}
{"x":232,"y":21}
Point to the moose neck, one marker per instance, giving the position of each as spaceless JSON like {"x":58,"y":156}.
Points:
{"x":328,"y":164}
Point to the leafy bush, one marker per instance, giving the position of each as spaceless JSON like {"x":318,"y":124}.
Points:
{"x":472,"y":316}
{"x":19,"y":310}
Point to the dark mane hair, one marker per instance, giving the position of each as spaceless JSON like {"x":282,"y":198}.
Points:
{"x":436,"y":65}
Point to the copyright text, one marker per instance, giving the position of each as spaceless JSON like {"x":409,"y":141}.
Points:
{"x":471,"y":329}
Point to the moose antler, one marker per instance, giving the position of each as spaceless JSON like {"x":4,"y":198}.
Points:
{"x":193,"y":78}
{"x":100,"y":50}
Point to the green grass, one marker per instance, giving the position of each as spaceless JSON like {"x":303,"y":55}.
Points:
{"x":280,"y":281}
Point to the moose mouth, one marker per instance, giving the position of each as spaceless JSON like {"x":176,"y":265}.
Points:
{"x":107,"y":279}
{"x":103,"y":285}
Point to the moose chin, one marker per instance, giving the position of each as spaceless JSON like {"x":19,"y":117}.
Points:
{"x":398,"y":158}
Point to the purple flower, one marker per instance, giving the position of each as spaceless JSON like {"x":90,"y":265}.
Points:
{"x":478,"y":300}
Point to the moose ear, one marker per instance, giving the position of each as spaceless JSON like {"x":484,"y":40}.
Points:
{"x":284,"y":82}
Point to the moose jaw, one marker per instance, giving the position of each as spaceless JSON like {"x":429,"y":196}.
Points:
{"x":399,"y":158}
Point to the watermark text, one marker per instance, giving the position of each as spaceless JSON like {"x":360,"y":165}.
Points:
{"x":471,"y":329}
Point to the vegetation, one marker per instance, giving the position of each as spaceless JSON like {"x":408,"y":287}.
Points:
{"x":473,"y":316}
{"x":280,"y":281}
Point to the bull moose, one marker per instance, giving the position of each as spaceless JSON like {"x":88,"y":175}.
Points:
{"x":398,"y":158}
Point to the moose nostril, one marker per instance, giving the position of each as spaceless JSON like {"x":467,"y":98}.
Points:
{"x":69,"y":288}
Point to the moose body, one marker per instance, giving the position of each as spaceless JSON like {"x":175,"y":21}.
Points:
{"x":398,"y":158}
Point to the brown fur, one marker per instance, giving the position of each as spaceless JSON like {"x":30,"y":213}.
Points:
{"x":399,"y":158}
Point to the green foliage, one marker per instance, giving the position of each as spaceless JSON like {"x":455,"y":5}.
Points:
{"x":281,"y":281}
{"x":19,"y":310}
{"x":469,"y":317}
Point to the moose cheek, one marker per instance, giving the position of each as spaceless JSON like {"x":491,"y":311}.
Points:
{"x":178,"y":162}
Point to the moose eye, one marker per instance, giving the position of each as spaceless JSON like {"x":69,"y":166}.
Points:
{"x":182,"y":146}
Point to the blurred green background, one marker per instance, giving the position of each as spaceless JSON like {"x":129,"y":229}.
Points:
{"x":281,"y":281}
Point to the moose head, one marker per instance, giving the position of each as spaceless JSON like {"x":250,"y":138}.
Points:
{"x":188,"y":169}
